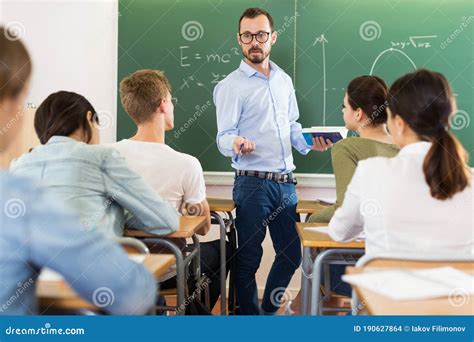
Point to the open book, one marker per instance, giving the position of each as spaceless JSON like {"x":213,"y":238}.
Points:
{"x":334,"y":133}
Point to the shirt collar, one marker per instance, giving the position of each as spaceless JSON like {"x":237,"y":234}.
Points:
{"x":60,"y":138}
{"x":249,"y":71}
{"x":421,"y":147}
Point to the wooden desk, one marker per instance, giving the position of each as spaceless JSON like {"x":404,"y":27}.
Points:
{"x":58,"y":294}
{"x":221,"y":204}
{"x":377,"y":304}
{"x":308,"y":207}
{"x":188,"y":225}
{"x":310,"y":276}
{"x":320,"y":240}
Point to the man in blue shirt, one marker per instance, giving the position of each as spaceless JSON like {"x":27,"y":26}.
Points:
{"x":257,"y":126}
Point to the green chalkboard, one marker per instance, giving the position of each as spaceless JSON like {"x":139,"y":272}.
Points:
{"x":322,"y":45}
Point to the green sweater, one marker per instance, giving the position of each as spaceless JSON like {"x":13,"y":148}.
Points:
{"x":345,"y":156}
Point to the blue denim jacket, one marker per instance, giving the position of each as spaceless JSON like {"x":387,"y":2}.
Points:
{"x":95,"y":181}
{"x":37,"y":231}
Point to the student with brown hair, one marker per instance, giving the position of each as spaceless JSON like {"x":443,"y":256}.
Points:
{"x":176,"y":176}
{"x":37,"y":231}
{"x":419,"y":202}
{"x":365,"y":112}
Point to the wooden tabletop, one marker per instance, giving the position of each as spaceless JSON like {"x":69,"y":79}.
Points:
{"x":188,"y":225}
{"x":309,"y":207}
{"x":377,"y":304}
{"x":221,"y":204}
{"x":58,"y":294}
{"x":321,"y":240}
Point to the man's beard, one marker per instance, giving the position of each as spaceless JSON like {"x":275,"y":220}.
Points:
{"x":256,"y":59}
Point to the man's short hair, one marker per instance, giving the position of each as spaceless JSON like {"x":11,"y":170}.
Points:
{"x":141,"y":93}
{"x":255,"y":12}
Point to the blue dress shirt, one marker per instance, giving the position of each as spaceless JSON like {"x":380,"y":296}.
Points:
{"x":263,"y":110}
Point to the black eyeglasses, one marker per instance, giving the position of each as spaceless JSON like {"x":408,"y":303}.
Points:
{"x":261,"y":37}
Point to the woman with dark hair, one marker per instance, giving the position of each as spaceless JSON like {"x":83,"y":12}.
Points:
{"x":365,"y":112}
{"x":93,"y":180}
{"x":38,"y":231}
{"x":419,"y":202}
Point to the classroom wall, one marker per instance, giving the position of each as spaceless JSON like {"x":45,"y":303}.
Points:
{"x":74,"y":47}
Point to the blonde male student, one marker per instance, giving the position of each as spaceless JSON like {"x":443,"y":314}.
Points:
{"x":176,"y":176}
{"x":37,"y":230}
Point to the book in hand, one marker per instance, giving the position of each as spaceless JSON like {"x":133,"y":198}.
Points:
{"x":334,"y":134}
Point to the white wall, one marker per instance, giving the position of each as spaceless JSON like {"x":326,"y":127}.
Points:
{"x":74,"y":47}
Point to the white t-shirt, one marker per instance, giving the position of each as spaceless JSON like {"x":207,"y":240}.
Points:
{"x":176,"y":176}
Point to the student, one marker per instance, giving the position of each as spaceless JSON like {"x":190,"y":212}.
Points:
{"x":94,"y":180}
{"x":364,"y":111}
{"x":420,"y":202}
{"x":177,"y":177}
{"x":37,"y":231}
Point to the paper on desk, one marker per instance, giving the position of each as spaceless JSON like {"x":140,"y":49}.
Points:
{"x":404,"y":284}
{"x":324,"y":230}
{"x":318,"y":229}
{"x":48,"y":274}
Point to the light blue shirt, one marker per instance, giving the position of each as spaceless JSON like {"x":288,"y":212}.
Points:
{"x":263,"y":110}
{"x":37,"y":231}
{"x":96,"y":182}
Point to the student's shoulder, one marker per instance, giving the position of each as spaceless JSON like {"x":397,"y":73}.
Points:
{"x":187,"y":160}
{"x":21,"y":196}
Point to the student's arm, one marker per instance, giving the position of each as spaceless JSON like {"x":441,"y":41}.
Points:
{"x":149,"y":212}
{"x":97,"y":268}
{"x":297,"y":139}
{"x":194,"y":198}
{"x":347,"y":222}
{"x":228,"y":109}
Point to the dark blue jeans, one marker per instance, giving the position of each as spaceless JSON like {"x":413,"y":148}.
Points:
{"x":261,"y":203}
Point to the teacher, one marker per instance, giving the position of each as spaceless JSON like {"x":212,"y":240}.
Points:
{"x":257,"y":126}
